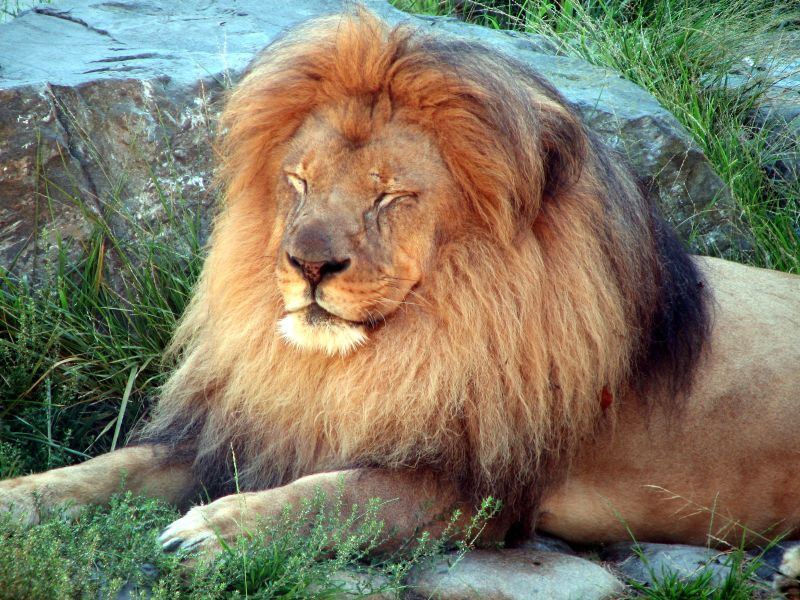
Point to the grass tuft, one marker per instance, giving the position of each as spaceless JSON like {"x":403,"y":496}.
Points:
{"x":81,"y":350}
{"x":739,"y":581}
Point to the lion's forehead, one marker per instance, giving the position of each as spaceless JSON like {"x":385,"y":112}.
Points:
{"x":396,"y":156}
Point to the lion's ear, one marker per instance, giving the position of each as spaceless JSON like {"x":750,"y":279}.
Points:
{"x":564,"y":146}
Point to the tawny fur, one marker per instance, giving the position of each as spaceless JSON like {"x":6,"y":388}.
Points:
{"x":543,"y":297}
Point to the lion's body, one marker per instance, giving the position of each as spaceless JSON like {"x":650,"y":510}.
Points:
{"x":429,"y":274}
{"x":727,"y":450}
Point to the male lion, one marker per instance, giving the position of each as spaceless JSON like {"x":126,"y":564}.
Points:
{"x":430,"y":280}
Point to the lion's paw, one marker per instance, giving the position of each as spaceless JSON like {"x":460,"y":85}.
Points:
{"x":192,"y":531}
{"x":204,"y":528}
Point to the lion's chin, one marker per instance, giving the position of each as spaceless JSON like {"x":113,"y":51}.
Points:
{"x":332,"y":336}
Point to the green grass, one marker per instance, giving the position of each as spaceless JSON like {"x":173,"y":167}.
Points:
{"x":683,"y":52}
{"x":301,"y":554}
{"x":738,"y":583}
{"x":81,"y":353}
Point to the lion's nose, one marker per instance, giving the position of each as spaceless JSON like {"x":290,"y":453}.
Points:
{"x":315,"y":271}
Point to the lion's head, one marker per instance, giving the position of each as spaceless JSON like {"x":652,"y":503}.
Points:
{"x":423,"y":259}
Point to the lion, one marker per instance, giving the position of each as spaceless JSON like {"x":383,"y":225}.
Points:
{"x":429,"y":280}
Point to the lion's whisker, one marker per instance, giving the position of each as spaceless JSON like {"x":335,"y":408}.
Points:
{"x":397,"y":302}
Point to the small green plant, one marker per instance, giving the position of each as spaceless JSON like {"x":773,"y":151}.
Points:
{"x":319,"y":550}
{"x":92,"y":556}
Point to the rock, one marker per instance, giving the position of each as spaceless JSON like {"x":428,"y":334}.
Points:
{"x":541,"y":542}
{"x":648,"y":563}
{"x":350,"y":584}
{"x":777,"y":113}
{"x":512,"y":575}
{"x":779,"y":116}
{"x":787,"y":580}
{"x":112,"y":119}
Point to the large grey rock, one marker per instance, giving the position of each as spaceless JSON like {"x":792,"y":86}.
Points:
{"x":107,"y":112}
{"x":512,"y":575}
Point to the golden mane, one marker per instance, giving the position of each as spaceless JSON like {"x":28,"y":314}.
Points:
{"x":565,"y":288}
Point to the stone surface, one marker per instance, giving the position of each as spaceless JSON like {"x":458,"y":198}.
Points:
{"x":108,"y":108}
{"x":648,"y":563}
{"x":780,"y":118}
{"x":512,"y":575}
{"x":779,"y":115}
{"x":350,"y":584}
{"x":120,"y":151}
{"x":542,"y":542}
{"x":787,"y":579}
{"x":776,"y":62}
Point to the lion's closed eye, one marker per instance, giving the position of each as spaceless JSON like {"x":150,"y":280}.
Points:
{"x":386,"y":199}
{"x":298,"y":183}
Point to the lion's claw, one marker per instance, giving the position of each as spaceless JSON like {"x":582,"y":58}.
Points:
{"x":193,"y":531}
{"x":172,"y":545}
{"x":182,"y":545}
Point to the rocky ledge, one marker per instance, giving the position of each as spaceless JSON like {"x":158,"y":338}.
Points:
{"x":110,"y":107}
{"x":548,"y":569}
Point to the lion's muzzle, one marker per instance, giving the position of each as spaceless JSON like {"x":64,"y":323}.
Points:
{"x":316,"y":260}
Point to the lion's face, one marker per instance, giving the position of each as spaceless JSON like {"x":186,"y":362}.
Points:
{"x":357,"y":219}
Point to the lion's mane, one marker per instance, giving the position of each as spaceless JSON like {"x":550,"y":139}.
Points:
{"x":564,"y":289}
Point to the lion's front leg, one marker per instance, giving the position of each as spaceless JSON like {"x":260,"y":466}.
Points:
{"x":147,"y":470}
{"x":417,"y":500}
